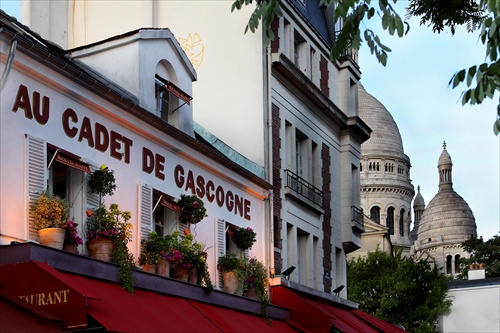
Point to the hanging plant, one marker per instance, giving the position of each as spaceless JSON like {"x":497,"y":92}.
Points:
{"x":193,"y":209}
{"x":244,"y":238}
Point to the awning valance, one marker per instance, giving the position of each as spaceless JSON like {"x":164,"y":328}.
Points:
{"x":69,"y":298}
{"x":319,"y":315}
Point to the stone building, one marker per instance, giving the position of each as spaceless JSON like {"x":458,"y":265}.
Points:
{"x":386,"y":188}
{"x":387,"y":193}
{"x":446,"y":222}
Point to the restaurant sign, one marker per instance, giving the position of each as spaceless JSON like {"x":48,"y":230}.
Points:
{"x":44,"y":287}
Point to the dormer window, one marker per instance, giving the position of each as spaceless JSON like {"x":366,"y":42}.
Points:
{"x":169,"y":99}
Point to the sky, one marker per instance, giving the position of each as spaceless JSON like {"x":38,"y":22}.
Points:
{"x":413,"y":86}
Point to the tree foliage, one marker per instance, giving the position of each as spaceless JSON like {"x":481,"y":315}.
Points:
{"x":398,"y":290}
{"x":482,"y":81}
{"x":486,"y":253}
{"x":439,"y":14}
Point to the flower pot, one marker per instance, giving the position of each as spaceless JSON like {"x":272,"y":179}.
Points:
{"x":101,"y":248}
{"x":193,"y":275}
{"x":150,"y":268}
{"x":231,"y":283}
{"x":52,"y":237}
{"x":180,"y":273}
{"x":73,"y":248}
{"x":251,"y":293}
{"x":163,"y":268}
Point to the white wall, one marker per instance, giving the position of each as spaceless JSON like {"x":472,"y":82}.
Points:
{"x":475,"y":309}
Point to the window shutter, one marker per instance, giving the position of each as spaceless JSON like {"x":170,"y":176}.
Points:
{"x":92,"y":199}
{"x":221,"y":247}
{"x":145,"y":209}
{"x":37,"y":174}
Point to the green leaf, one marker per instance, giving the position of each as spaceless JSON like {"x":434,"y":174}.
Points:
{"x":496,"y":127}
{"x":458,"y":77}
{"x":470,"y":75}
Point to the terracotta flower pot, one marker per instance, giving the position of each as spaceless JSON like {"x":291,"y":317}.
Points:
{"x":251,"y":293}
{"x":180,"y":273}
{"x":150,"y":268}
{"x":73,"y":248}
{"x":163,"y":268}
{"x":101,"y":248}
{"x":52,"y":237}
{"x":193,"y":275}
{"x":231,"y":283}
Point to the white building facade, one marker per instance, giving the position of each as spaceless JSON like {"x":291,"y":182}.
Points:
{"x":60,"y":119}
{"x":290,"y":111}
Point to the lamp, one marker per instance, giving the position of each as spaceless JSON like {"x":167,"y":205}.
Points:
{"x":286,"y":273}
{"x":337,"y":290}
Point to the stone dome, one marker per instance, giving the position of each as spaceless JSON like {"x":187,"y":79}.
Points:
{"x":445,"y":158}
{"x":385,"y":138}
{"x":419,"y":199}
{"x":448,"y":218}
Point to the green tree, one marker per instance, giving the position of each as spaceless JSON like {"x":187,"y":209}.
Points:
{"x":486,"y":253}
{"x":482,"y":81}
{"x":398,"y":289}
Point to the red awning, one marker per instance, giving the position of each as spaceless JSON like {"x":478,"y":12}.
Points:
{"x":17,"y":316}
{"x":229,"y":320}
{"x":317,"y":315}
{"x":343,"y":319}
{"x":379,"y":323}
{"x":73,"y":163}
{"x":144,"y":311}
{"x":44,"y":287}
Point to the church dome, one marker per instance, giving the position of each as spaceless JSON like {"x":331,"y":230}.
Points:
{"x":385,"y":138}
{"x":448,"y":218}
{"x":419,"y":200}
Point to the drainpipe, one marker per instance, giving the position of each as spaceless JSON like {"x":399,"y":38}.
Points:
{"x":270,"y":160}
{"x":8,"y":66}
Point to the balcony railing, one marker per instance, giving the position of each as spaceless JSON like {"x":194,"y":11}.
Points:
{"x":357,"y":218}
{"x":349,"y":53}
{"x":303,"y":188}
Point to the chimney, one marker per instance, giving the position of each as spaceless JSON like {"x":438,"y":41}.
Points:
{"x":476,"y":272}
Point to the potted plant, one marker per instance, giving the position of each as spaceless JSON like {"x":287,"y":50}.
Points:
{"x":244,"y":238}
{"x":255,"y":280}
{"x":71,"y":237}
{"x":108,"y":230}
{"x":49,"y":212}
{"x":193,"y":209}
{"x":232,"y":269}
{"x":111,"y":225}
{"x":150,"y":252}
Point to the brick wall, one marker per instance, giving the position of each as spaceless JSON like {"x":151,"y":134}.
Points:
{"x":323,"y":82}
{"x":275,"y":43}
{"x":327,"y":217}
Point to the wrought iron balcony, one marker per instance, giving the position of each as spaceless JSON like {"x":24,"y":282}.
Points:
{"x":349,"y":54}
{"x":303,"y":188}
{"x":357,"y":218}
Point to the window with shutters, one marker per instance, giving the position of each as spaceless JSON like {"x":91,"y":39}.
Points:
{"x":61,"y":173}
{"x":165,"y":214}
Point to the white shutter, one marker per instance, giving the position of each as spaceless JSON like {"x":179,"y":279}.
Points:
{"x":221,"y":247}
{"x":146,"y":223}
{"x":37,"y":174}
{"x":92,"y":199}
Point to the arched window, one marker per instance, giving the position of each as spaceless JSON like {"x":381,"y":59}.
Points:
{"x":401,"y":222}
{"x":375,"y":214}
{"x":448,"y":265}
{"x":390,"y":220}
{"x":457,"y":264}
